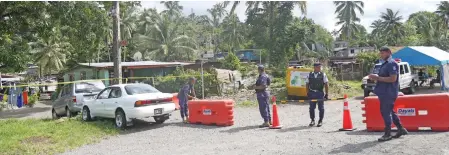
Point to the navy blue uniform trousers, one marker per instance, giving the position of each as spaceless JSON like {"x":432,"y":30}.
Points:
{"x":184,"y":107}
{"x":264,"y":107}
{"x":386,"y":110}
{"x":312,"y":105}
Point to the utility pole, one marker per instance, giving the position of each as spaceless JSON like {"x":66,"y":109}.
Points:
{"x":116,"y":41}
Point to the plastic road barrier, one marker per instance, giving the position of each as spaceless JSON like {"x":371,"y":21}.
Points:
{"x":414,"y":111}
{"x":176,"y":100}
{"x":209,"y":112}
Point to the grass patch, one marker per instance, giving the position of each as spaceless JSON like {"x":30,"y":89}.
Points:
{"x":46,"y":136}
{"x":247,"y":103}
{"x":337,"y":89}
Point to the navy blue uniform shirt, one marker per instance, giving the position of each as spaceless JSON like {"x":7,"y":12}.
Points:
{"x":386,"y":89}
{"x":263,"y":80}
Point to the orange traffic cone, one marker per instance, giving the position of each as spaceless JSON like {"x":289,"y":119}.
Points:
{"x":347,"y":122}
{"x":276,"y":124}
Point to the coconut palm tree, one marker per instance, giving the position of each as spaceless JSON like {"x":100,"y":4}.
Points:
{"x":173,"y":9}
{"x":233,"y":30}
{"x":346,"y":13}
{"x":50,"y":52}
{"x":443,"y":12}
{"x":392,"y":25}
{"x":164,"y":42}
{"x":214,"y":20}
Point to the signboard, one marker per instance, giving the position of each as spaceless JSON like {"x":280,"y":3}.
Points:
{"x":207,"y":112}
{"x":406,"y":112}
{"x":298,"y":78}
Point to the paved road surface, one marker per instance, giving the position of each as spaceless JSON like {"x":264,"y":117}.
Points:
{"x":245,"y":137}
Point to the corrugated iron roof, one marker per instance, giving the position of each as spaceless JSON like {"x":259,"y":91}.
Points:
{"x":135,"y":63}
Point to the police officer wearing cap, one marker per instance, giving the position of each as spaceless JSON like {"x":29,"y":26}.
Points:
{"x":263,"y":96}
{"x":387,"y":88}
{"x":316,"y":81}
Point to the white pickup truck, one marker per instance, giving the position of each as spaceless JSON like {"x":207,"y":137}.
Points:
{"x":407,"y":80}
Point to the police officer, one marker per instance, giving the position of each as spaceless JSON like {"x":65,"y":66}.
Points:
{"x":387,"y":89}
{"x":316,"y":81}
{"x":185,"y":92}
{"x":263,"y":96}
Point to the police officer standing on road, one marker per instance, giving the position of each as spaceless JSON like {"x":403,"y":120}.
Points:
{"x":387,"y":89}
{"x":263,"y":96}
{"x":316,"y":81}
{"x":185,"y":92}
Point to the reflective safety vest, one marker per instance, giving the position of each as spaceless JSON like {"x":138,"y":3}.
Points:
{"x":316,"y":84}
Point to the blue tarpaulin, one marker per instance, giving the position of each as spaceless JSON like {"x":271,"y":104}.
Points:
{"x":422,"y":56}
{"x":425,"y":56}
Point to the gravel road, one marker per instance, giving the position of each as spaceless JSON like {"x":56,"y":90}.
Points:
{"x":245,"y":137}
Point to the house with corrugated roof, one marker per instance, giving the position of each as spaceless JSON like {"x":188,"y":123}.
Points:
{"x":105,"y":70}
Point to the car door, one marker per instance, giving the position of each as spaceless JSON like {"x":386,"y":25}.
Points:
{"x":407,"y":76}
{"x":98,"y":105}
{"x":112,"y":102}
{"x":401,"y":76}
{"x":58,"y":103}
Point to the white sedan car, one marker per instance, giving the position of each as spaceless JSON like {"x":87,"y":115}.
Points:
{"x":126,"y":102}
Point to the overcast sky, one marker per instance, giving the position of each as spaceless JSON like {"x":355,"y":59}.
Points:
{"x":322,"y":12}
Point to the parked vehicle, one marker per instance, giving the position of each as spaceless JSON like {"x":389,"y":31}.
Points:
{"x":126,"y":102}
{"x":407,"y":80}
{"x":71,"y":97}
{"x":47,"y":90}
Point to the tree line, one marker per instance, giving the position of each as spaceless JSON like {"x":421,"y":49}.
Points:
{"x":57,"y":35}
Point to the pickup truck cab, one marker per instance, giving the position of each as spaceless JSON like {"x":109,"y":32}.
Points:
{"x":407,"y":80}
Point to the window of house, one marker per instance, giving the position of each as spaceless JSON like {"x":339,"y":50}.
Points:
{"x":352,"y":51}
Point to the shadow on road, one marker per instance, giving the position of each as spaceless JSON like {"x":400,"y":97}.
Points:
{"x":143,"y":125}
{"x":238,"y":129}
{"x":22,"y":112}
{"x":294,"y":129}
{"x":197,"y":126}
{"x":354,"y":148}
{"x":366,"y":132}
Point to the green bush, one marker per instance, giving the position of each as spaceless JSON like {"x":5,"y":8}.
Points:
{"x":231,"y":62}
{"x":172,"y":83}
{"x":32,"y":99}
{"x":367,"y":59}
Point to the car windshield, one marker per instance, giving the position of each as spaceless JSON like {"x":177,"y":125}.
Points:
{"x":376,"y":69}
{"x":87,"y":87}
{"x":140,"y":89}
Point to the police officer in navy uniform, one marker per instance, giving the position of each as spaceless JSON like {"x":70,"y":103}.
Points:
{"x":263,"y":96}
{"x":184,"y":94}
{"x":387,"y":89}
{"x":316,"y":81}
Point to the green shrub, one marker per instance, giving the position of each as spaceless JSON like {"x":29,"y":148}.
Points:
{"x":231,"y":62}
{"x":32,"y":99}
{"x":172,"y":83}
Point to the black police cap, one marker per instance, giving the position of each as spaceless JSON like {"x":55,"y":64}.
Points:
{"x":317,"y":64}
{"x":384,"y":49}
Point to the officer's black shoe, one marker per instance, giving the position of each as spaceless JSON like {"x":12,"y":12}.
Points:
{"x":320,"y":123}
{"x":264,"y":125}
{"x":312,"y":123}
{"x":385,"y":138}
{"x":401,"y":131}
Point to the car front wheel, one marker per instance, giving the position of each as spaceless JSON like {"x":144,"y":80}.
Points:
{"x":120,"y":119}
